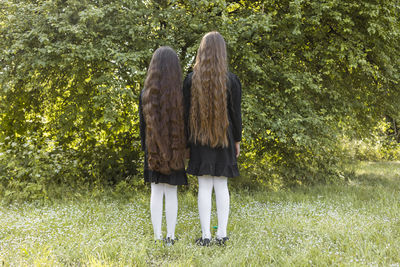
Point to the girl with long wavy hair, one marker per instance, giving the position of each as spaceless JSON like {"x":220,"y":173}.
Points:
{"x":163,"y":137}
{"x":212,"y":99}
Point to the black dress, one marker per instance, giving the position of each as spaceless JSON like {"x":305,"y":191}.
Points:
{"x":150,"y":176}
{"x":218,"y":161}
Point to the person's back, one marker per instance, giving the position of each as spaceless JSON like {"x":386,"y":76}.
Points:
{"x":163,"y":137}
{"x":212,"y":97}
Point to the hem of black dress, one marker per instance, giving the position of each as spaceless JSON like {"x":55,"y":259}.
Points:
{"x":175,"y":178}
{"x":212,"y":169}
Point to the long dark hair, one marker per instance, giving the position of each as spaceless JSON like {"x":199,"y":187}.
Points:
{"x":162,"y":100}
{"x":208,"y":119}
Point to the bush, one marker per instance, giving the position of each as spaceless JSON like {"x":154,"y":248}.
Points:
{"x":30,"y":166}
{"x":378,"y":146}
{"x":35,"y":168}
{"x":71,"y":72}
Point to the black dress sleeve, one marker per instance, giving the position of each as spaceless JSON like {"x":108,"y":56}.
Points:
{"x":142,"y":123}
{"x":235,"y":111}
{"x":187,"y":83}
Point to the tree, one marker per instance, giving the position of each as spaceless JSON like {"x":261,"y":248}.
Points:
{"x":71,"y":72}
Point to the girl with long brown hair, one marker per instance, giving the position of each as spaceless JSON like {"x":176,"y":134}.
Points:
{"x":212,"y":99}
{"x":163,"y":137}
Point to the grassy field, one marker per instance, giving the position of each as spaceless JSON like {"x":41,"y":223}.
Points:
{"x":353,"y":224}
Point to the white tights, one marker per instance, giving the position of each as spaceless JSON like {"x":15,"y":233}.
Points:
{"x":171,"y":208}
{"x":220,"y":184}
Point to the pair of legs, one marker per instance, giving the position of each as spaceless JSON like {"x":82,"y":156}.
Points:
{"x":158,"y":191}
{"x":220,"y":185}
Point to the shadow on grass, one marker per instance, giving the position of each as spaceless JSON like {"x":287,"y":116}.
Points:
{"x":374,"y":174}
{"x":368,"y":182}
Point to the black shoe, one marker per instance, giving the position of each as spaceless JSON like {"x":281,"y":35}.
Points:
{"x":206,"y":242}
{"x":221,"y":242}
{"x":169,"y":241}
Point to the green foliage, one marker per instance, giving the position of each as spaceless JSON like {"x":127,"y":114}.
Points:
{"x":37,"y":168}
{"x":380,"y":145}
{"x":29,"y":168}
{"x":71,"y":72}
{"x":317,"y":71}
{"x":71,"y":81}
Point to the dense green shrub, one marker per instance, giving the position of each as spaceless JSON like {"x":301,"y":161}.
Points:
{"x":33,"y":168}
{"x":28,"y":168}
{"x":71,"y":72}
{"x":379,"y":145}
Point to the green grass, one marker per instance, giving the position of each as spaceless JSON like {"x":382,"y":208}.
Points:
{"x":353,"y":224}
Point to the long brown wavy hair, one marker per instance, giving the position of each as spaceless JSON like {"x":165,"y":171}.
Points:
{"x":162,"y":100}
{"x":208,"y":116}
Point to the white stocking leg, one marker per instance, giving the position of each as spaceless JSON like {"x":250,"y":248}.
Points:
{"x":222,"y":200}
{"x":156,"y":205}
{"x":204,"y":204}
{"x":171,"y":208}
